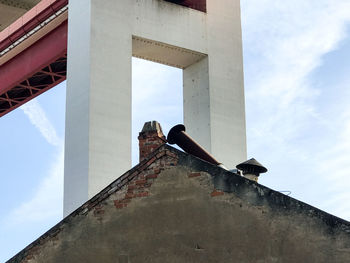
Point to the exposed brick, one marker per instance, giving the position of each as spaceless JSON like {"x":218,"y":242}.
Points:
{"x":151,"y":160}
{"x":120,"y":206}
{"x":142,"y":194}
{"x":143,"y":181}
{"x":169,"y":153}
{"x":151,"y":176}
{"x":160,"y":154}
{"x":216,"y":193}
{"x":123,"y":201}
{"x":131,"y":187}
{"x":129,"y":196}
{"x":141,"y":186}
{"x":150,"y":138}
{"x":194,"y":175}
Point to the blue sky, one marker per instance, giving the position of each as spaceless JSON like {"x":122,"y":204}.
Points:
{"x":297,"y":76}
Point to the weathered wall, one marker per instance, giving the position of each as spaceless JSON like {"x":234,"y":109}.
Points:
{"x":171,"y":212}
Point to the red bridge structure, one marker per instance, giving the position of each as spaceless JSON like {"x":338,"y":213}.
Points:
{"x":33,"y":54}
{"x":33,"y":51}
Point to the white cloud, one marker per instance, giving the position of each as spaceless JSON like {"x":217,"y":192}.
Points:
{"x":38,"y":118}
{"x":46,"y":204}
{"x":284,"y":42}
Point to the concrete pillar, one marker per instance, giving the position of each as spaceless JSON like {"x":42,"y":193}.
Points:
{"x":227,"y":103}
{"x":103,"y":35}
{"x":214,"y":107}
{"x":98,"y":107}
{"x":196,"y":102}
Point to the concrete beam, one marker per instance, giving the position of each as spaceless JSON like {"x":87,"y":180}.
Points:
{"x":164,"y":53}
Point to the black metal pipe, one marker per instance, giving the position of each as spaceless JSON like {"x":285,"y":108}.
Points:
{"x":177,"y":135}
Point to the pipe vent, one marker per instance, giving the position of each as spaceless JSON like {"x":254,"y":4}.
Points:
{"x":251,"y":169}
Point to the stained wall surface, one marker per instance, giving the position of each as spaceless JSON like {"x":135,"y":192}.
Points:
{"x":180,"y":209}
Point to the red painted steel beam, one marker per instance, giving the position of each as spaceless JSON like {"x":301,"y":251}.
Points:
{"x":29,"y":21}
{"x":42,"y":65}
{"x":34,"y":71}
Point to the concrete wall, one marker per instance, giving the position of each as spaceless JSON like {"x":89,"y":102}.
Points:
{"x":180,"y":209}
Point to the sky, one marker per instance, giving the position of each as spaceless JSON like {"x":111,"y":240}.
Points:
{"x":297,"y":76}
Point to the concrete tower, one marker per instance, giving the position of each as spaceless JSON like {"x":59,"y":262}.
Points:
{"x":204,"y":40}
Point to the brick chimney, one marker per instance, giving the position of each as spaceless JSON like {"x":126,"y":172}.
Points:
{"x":150,"y":138}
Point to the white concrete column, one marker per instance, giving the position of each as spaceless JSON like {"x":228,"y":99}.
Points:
{"x":196,"y":102}
{"x":98,"y":110}
{"x":214,"y":112}
{"x":227,"y":102}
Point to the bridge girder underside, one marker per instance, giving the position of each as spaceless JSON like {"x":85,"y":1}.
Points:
{"x":41,"y":81}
